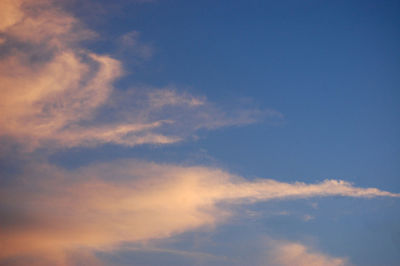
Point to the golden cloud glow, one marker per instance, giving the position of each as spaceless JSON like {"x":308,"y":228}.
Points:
{"x":101,"y":206}
{"x":55,"y":93}
{"x":53,"y":89}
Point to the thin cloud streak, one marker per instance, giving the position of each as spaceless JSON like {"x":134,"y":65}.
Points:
{"x":98,"y":207}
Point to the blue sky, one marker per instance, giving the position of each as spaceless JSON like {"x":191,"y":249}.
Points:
{"x":200,"y":132}
{"x":329,"y":68}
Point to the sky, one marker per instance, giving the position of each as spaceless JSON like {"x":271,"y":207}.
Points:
{"x":170,"y":132}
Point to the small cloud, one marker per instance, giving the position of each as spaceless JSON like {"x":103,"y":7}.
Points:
{"x":170,"y":97}
{"x":282,"y":213}
{"x":285,"y":253}
{"x":130,"y":44}
{"x":307,"y":218}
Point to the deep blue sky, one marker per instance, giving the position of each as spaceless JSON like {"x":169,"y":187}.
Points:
{"x":331,"y":68}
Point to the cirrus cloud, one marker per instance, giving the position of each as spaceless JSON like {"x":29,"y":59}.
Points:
{"x":56,"y":93}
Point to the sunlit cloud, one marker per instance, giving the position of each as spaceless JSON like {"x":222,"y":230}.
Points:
{"x":51,"y":211}
{"x":285,"y":253}
{"x":55,"y":93}
{"x":41,"y":22}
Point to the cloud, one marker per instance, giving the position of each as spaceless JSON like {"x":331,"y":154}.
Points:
{"x":41,"y":22}
{"x":307,"y":217}
{"x":130,"y":44}
{"x":284,"y":253}
{"x":55,"y":93}
{"x":53,"y":211}
{"x":47,"y":81}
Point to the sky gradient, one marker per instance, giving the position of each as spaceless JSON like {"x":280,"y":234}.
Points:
{"x":199,"y":132}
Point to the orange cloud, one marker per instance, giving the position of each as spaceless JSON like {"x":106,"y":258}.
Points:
{"x":50,"y":83}
{"x":41,"y":22}
{"x":53,"y":211}
{"x":53,"y":90}
{"x":55,"y":93}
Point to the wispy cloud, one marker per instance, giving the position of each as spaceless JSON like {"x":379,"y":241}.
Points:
{"x":55,"y":92}
{"x":130,"y":44}
{"x":52,"y":211}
